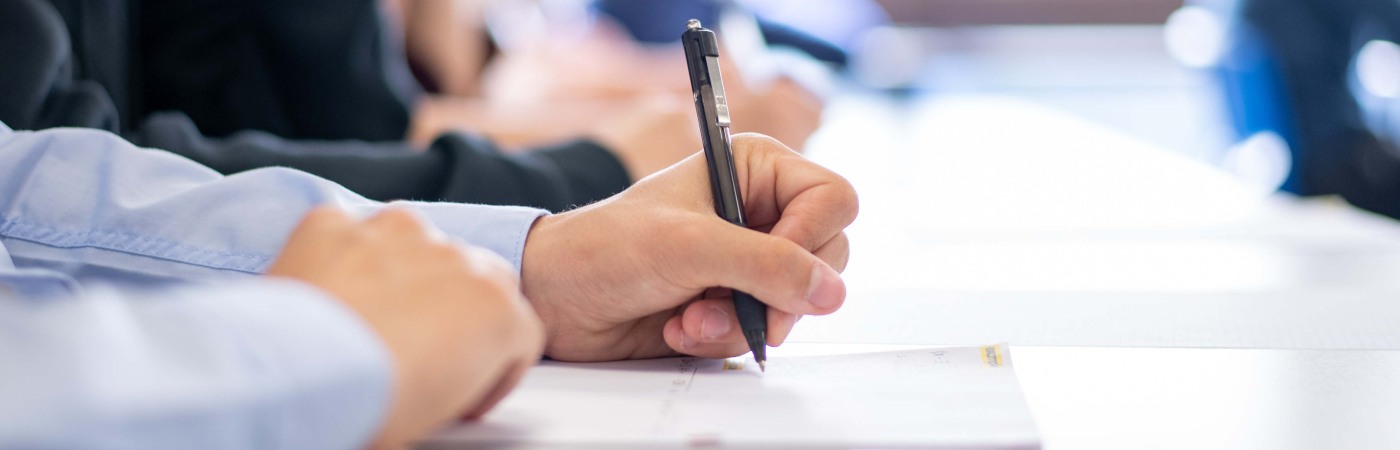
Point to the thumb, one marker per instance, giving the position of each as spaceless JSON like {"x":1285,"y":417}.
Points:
{"x":774,"y":270}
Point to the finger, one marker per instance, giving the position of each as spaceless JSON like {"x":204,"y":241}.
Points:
{"x":835,"y":252}
{"x":713,"y":321}
{"x":780,"y":325}
{"x":675,"y":338}
{"x":508,"y":382}
{"x":487,"y":262}
{"x":772,"y":269}
{"x":321,"y":221}
{"x":803,"y":201}
{"x":318,"y":233}
{"x":401,"y":221}
{"x":815,"y":204}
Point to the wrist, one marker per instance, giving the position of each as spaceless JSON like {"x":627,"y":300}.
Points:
{"x":538,"y":269}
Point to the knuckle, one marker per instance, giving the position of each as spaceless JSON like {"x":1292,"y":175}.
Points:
{"x":848,"y":197}
{"x":322,"y":216}
{"x":445,"y":253}
{"x":758,"y":144}
{"x":400,"y":220}
{"x":843,"y":253}
{"x":489,"y":265}
{"x":359,"y":237}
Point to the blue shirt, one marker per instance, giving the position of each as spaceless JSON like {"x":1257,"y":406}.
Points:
{"x":99,"y":345}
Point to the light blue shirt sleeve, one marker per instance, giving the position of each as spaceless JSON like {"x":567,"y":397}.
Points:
{"x":90,"y":205}
{"x":260,"y":363}
{"x":242,"y":363}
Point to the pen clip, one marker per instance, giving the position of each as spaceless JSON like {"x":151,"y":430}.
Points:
{"x":717,"y":87}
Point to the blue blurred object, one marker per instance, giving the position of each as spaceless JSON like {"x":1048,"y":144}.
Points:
{"x":1253,"y":87}
{"x":1291,"y":67}
{"x":659,"y":22}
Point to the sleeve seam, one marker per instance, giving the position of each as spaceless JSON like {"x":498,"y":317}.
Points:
{"x":132,"y":244}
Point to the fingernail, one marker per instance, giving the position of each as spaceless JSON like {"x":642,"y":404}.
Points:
{"x":825,"y":291}
{"x":715,"y":324}
{"x":686,"y":343}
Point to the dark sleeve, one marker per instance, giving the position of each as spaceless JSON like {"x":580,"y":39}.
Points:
{"x":556,"y":178}
{"x":37,"y":85}
{"x":309,"y":69}
{"x":455,"y":168}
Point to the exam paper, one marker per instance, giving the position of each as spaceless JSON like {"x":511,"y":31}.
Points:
{"x":810,"y":397}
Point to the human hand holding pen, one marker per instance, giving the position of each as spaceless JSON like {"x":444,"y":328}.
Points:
{"x":628,"y":277}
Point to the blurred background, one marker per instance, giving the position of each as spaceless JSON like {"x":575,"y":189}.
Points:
{"x":1074,"y":145}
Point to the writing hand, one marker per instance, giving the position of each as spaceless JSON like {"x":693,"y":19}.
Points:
{"x":631,"y":276}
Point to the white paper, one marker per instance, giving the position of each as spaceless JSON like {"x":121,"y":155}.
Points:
{"x":965,"y":397}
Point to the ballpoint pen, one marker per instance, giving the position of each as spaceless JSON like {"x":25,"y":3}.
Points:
{"x":711,"y":106}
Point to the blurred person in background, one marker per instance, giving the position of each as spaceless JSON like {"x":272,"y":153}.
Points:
{"x":321,"y":87}
{"x":1324,"y":75}
{"x":500,"y":65}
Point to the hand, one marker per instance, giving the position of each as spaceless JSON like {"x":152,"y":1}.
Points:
{"x":649,"y":134}
{"x":451,"y":315}
{"x":631,"y":276}
{"x":784,"y":110}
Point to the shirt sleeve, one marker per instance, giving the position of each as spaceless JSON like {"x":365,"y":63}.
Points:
{"x":90,"y":205}
{"x":257,"y":364}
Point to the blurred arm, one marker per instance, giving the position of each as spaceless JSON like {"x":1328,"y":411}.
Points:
{"x":86,"y":203}
{"x":265,"y":364}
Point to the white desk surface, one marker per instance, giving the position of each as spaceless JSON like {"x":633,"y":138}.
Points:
{"x":997,"y":199}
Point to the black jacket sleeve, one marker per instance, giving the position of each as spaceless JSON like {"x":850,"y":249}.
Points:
{"x":455,"y":168}
{"x":40,"y":88}
{"x":301,"y":69}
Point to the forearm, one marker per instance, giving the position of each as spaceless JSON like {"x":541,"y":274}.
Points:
{"x":447,"y":40}
{"x":454,"y":168}
{"x":85,"y":202}
{"x":264,"y":364}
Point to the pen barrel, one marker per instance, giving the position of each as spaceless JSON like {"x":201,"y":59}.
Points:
{"x":724,"y":182}
{"x":699,"y":44}
{"x":753,"y":319}
{"x":702,"y":60}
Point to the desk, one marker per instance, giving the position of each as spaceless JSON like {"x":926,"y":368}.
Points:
{"x":988,"y":196}
{"x":1174,"y":398}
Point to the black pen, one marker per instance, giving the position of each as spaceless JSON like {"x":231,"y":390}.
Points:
{"x":702,"y":58}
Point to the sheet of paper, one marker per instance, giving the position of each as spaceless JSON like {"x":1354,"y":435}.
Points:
{"x":812,"y":396}
{"x":1319,"y":319}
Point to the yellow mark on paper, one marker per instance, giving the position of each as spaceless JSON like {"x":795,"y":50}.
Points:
{"x":732,"y":364}
{"x":991,"y":355}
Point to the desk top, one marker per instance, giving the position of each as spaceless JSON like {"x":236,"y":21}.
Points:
{"x":997,"y":200}
{"x":989,"y":193}
{"x":1167,"y":398}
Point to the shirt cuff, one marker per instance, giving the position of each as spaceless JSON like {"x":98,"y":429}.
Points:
{"x":500,"y":229}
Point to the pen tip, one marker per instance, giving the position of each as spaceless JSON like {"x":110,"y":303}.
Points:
{"x":762,"y":367}
{"x":692,"y":24}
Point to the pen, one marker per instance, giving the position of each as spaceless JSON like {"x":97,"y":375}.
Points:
{"x":702,"y":58}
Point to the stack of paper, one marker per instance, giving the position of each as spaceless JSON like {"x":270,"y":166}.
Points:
{"x":810,"y":397}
